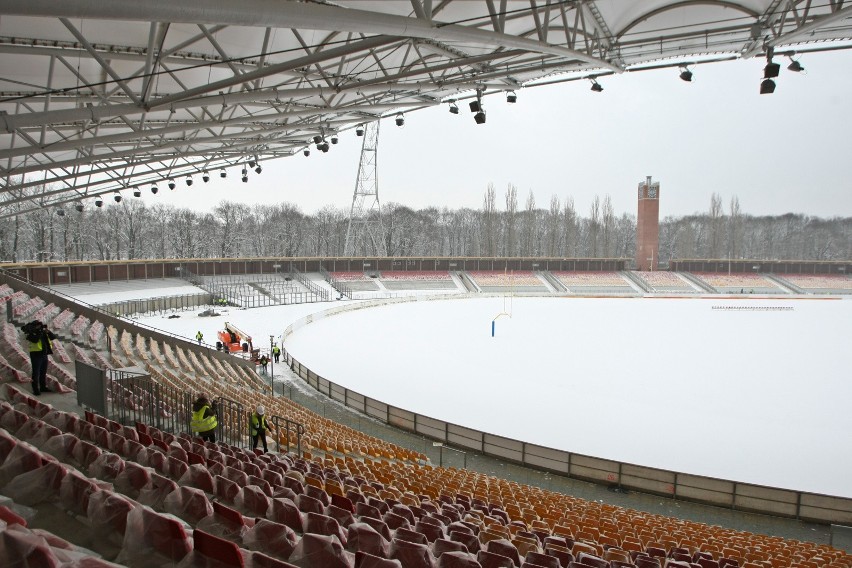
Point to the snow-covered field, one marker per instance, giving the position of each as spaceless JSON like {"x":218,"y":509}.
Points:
{"x":753,"y":390}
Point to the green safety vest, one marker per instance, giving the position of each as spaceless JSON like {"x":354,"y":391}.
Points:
{"x":258,"y":422}
{"x":200,"y":424}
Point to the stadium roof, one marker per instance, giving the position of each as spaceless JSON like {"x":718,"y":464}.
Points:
{"x":99,"y":96}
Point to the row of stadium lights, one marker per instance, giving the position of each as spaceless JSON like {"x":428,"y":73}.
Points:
{"x":767,"y":87}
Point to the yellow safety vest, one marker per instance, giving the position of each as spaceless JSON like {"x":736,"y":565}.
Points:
{"x":201,"y":424}
{"x":258,"y":422}
{"x":37,"y":346}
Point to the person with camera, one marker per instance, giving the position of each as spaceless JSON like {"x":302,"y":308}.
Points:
{"x":39,"y":339}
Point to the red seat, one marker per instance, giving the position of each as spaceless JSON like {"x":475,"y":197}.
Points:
{"x":150,"y":532}
{"x":366,"y":560}
{"x":61,"y":447}
{"x":364,"y":538}
{"x":237,"y":476}
{"x":271,"y":477}
{"x":493,"y":560}
{"x":225,"y":489}
{"x":107,"y":511}
{"x":411,"y":554}
{"x":188,"y":503}
{"x":20,"y":547}
{"x":175,"y":468}
{"x":325,"y":525}
{"x":23,"y":457}
{"x":540,"y":559}
{"x":459,"y":559}
{"x":261,"y":483}
{"x":307,"y":504}
{"x":107,"y":466}
{"x":284,"y":511}
{"x":218,"y":549}
{"x":116,"y":443}
{"x":7,"y":442}
{"x":410,"y":536}
{"x":504,"y":548}
{"x":442,"y":545}
{"x":271,"y":538}
{"x":157,"y":489}
{"x":197,"y":476}
{"x":74,"y":492}
{"x":318,"y":551}
{"x":251,"y":500}
{"x":13,"y":420}
{"x":132,"y":479}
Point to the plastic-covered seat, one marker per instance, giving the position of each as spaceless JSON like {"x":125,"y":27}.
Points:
{"x":395,"y":522}
{"x":107,"y":512}
{"x":325,"y":525}
{"x":410,"y":536}
{"x":308,"y":504}
{"x":261,"y":483}
{"x":458,"y":559}
{"x":592,"y":560}
{"x":320,"y":551}
{"x":175,"y":468}
{"x":107,"y":466}
{"x":493,"y":560}
{"x":132,"y":479}
{"x":432,"y":531}
{"x":467,"y":539}
{"x":197,"y":476}
{"x":562,"y":554}
{"x":7,"y":442}
{"x":365,"y":510}
{"x":157,"y":489}
{"x":366,"y":560}
{"x":539,"y":559}
{"x":188,"y":503}
{"x":36,"y":486}
{"x":504,"y":547}
{"x":21,"y":547}
{"x":61,"y":447}
{"x":85,"y":453}
{"x":411,"y":554}
{"x":149,"y":532}
{"x":237,"y":476}
{"x":284,"y":511}
{"x":22,"y":458}
{"x":225,"y":522}
{"x":74,"y":492}
{"x":363,"y":537}
{"x":442,"y":545}
{"x":251,"y":500}
{"x":272,"y":538}
{"x":223,"y":552}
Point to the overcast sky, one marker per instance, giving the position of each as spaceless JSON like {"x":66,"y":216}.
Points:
{"x":779,"y":153}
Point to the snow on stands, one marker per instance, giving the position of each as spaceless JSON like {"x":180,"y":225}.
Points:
{"x":418,"y":280}
{"x":499,"y":281}
{"x":415,"y":275}
{"x":819,"y":283}
{"x":661,"y":281}
{"x":357,"y":281}
{"x":747,"y":283}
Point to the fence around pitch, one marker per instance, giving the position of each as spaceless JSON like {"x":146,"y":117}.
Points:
{"x":157,"y":305}
{"x":706,"y":490}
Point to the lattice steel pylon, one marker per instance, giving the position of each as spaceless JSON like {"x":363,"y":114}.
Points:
{"x":365,"y":234}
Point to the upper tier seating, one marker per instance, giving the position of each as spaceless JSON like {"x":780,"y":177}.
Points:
{"x":596,"y":280}
{"x":739,"y":283}
{"x":822,"y":283}
{"x":662,"y":281}
{"x":519,"y":280}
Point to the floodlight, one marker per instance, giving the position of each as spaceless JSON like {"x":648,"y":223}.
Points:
{"x":334,"y":139}
{"x":479,"y":117}
{"x":154,"y":188}
{"x":686,"y":75}
{"x":795,"y":66}
{"x":258,"y":169}
{"x":223,"y":173}
{"x":596,"y":87}
{"x":61,"y":212}
{"x":205,"y":176}
{"x":171,"y":183}
{"x":400,"y":120}
{"x":767,"y":87}
{"x":117,"y":197}
{"x":137,"y":192}
{"x":324,"y":147}
{"x":511,"y":97}
{"x":99,"y":202}
{"x":245,"y":177}
{"x":454,"y":108}
{"x":317,"y":139}
{"x":306,"y":152}
{"x":359,"y":130}
{"x":188,"y":180}
{"x":79,"y":207}
{"x":475,"y":106}
{"x":771,"y":70}
{"x":251,"y":163}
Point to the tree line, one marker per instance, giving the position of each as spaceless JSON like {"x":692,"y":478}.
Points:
{"x":502,"y":227}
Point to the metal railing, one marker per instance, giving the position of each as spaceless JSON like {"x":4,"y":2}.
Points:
{"x":285,"y":426}
{"x":335,"y":283}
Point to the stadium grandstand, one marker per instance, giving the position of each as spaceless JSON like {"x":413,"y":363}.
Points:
{"x":102,"y":100}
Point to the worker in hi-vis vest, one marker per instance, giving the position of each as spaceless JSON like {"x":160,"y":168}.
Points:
{"x":199,"y":336}
{"x":259,"y":426}
{"x":204,"y":419}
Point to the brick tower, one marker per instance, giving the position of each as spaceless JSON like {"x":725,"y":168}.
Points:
{"x":648,"y":226}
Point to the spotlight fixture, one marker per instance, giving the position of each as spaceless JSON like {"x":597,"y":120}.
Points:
{"x":317,"y":139}
{"x":454,"y":108}
{"x":400,"y":119}
{"x":251,"y":163}
{"x":767,"y":87}
{"x":596,"y":87}
{"x":306,"y":152}
{"x":334,"y":139}
{"x":60,"y":211}
{"x":79,"y":207}
{"x":479,"y":117}
{"x":154,"y":188}
{"x":117,"y":197}
{"x":686,"y":74}
{"x":511,"y":97}
{"x":188,"y":180}
{"x":245,"y":177}
{"x":324,"y":147}
{"x":223,"y":174}
{"x":205,"y":176}
{"x":99,"y":202}
{"x":258,"y":169}
{"x":245,"y":171}
{"x":137,"y":192}
{"x":795,"y":66}
{"x":771,"y":70}
{"x":359,"y":130}
{"x":171,"y":183}
{"x":475,"y":106}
